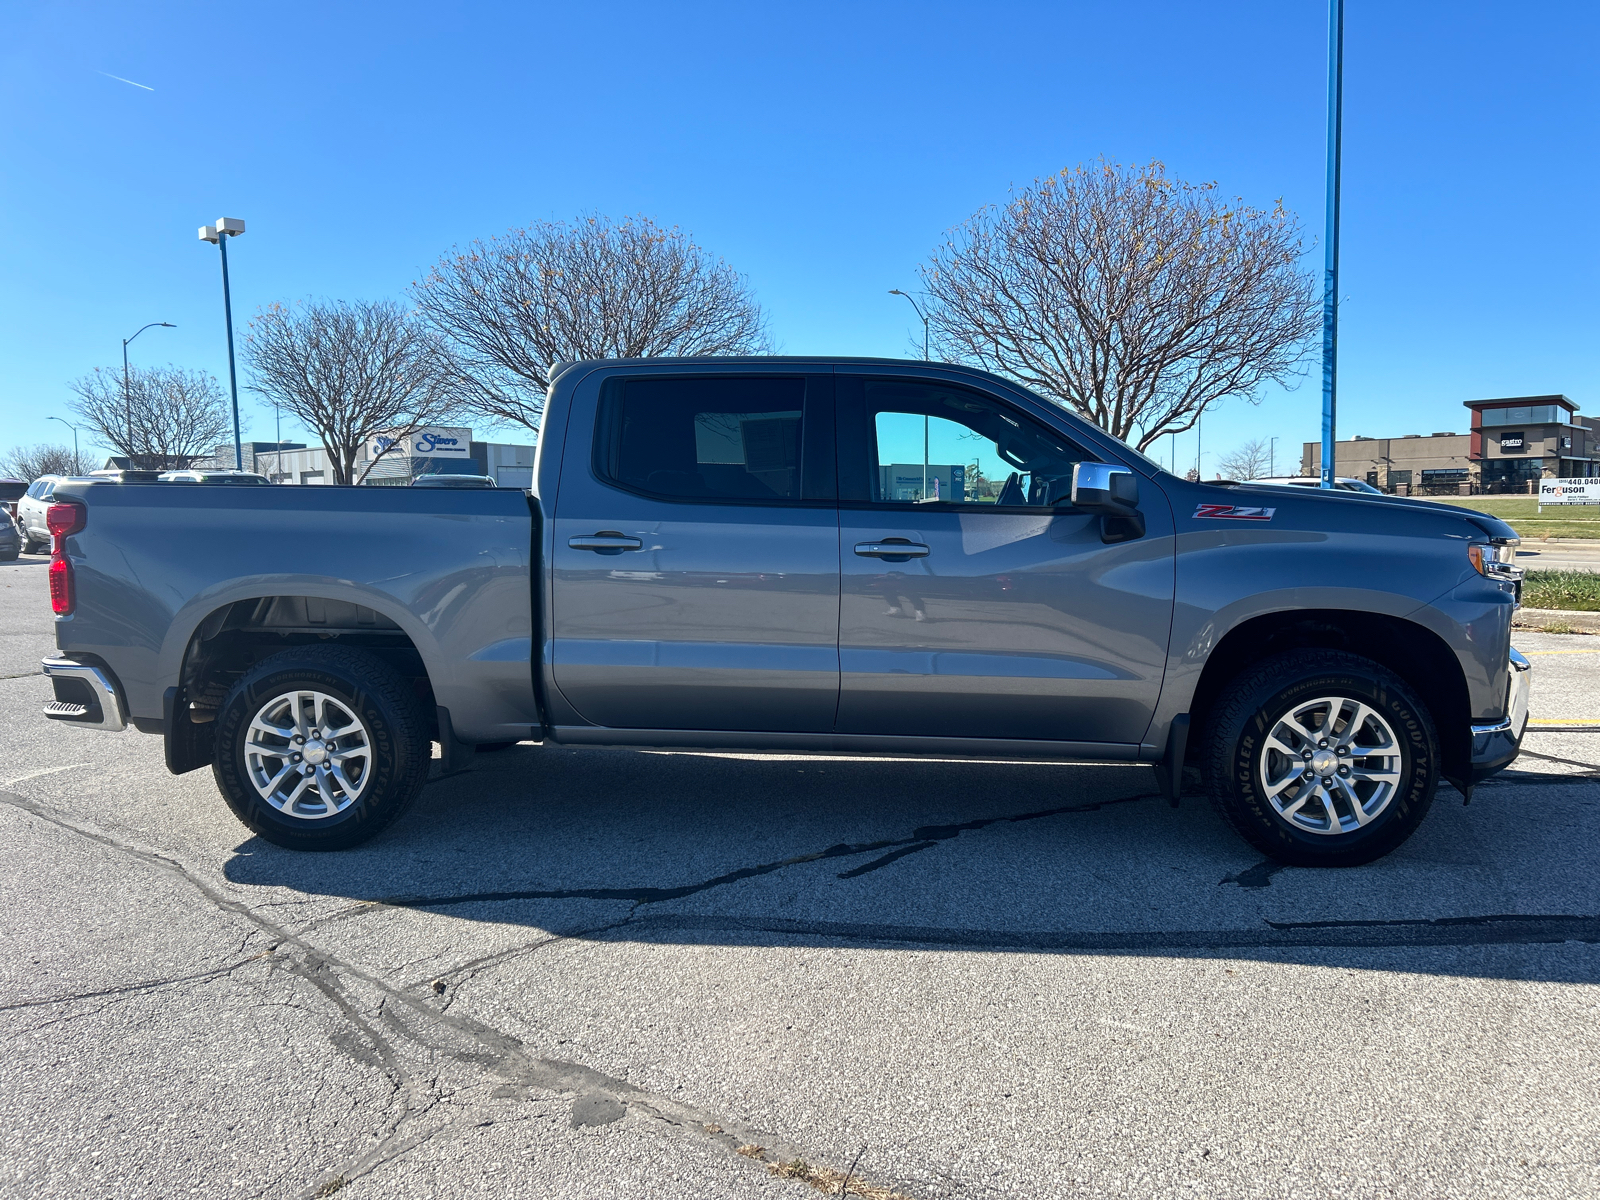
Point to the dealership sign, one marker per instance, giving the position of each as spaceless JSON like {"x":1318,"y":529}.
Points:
{"x":1569,"y":491}
{"x":432,"y":441}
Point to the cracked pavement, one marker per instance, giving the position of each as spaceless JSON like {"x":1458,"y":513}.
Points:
{"x":604,"y":973}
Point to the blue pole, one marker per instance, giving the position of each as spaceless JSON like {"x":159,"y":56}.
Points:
{"x":233,"y":381}
{"x":1330,"y":270}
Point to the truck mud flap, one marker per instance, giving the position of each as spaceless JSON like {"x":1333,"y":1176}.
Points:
{"x":189,"y":746}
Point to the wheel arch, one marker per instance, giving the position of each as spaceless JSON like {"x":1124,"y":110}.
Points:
{"x":223,"y":640}
{"x":1414,"y":652}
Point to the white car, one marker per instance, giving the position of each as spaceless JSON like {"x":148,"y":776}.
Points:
{"x":1342,"y":482}
{"x":31,"y":510}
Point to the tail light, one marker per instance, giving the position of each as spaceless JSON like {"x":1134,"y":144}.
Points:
{"x":61,"y":520}
{"x":62,"y":594}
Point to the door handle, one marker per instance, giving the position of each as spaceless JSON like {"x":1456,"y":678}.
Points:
{"x":605,"y":542}
{"x":892,"y":550}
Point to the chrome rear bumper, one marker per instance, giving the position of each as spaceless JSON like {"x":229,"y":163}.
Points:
{"x":1494,"y":745}
{"x":86,"y":696}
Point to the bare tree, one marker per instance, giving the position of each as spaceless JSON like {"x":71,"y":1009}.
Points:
{"x":351,"y":372}
{"x":512,"y":306}
{"x":1250,"y":461}
{"x":1135,"y":299}
{"x":30,"y":462}
{"x":174,"y":415}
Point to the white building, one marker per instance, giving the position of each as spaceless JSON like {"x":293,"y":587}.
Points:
{"x":436,"y":450}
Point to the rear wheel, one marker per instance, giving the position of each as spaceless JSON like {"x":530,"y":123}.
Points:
{"x":1322,"y":758}
{"x":320,"y":748}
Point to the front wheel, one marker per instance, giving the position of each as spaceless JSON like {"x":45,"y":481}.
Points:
{"x":1322,"y":758}
{"x":320,"y":748}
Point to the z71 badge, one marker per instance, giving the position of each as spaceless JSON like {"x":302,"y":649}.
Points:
{"x":1233,"y":512}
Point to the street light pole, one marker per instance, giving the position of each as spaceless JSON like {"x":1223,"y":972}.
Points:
{"x":1330,"y":271}
{"x":77,"y":467}
{"x":218,"y":234}
{"x":924,"y":316}
{"x":127,"y":398}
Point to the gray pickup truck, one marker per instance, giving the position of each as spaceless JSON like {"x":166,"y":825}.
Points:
{"x":796,"y":554}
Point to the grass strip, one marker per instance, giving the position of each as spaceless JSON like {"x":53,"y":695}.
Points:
{"x":1576,"y":591}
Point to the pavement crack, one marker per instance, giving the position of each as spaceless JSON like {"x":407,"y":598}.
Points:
{"x":1258,"y":876}
{"x":885,"y":860}
{"x":437,"y":1033}
{"x":146,"y":985}
{"x":1569,"y":762}
{"x":657,"y":895}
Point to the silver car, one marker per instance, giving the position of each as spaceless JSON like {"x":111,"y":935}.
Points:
{"x":31,"y":510}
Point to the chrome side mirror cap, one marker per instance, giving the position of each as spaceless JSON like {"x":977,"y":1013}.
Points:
{"x":1105,"y":489}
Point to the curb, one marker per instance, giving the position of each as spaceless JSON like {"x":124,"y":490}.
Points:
{"x":1564,"y":620}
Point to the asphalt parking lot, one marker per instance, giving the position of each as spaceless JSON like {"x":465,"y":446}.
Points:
{"x":604,"y":973}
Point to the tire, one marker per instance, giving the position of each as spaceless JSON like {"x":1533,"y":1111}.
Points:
{"x":1266,"y":720}
{"x":366,"y":776}
{"x":29,"y":546}
{"x":9,"y":555}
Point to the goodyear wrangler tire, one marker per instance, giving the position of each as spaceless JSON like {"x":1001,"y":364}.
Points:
{"x":1322,"y":758}
{"x":320,"y":748}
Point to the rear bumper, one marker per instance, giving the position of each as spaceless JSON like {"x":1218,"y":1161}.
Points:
{"x":86,"y":696}
{"x":1496,"y":744}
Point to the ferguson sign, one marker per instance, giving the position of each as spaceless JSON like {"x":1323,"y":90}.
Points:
{"x":1569,"y":491}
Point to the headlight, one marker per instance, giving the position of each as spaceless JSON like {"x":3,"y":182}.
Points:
{"x":1496,"y":559}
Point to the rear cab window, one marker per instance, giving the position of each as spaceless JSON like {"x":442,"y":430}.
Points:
{"x":718,"y":439}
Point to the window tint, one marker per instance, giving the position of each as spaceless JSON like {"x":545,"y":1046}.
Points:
{"x":937,"y":444}
{"x":705,"y":439}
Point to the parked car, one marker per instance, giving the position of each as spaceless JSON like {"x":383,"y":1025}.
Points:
{"x":1341,"y":482}
{"x":10,"y":537}
{"x":31,"y":510}
{"x":247,"y":478}
{"x":751,"y":553}
{"x":12,"y":490}
{"x":454,"y":481}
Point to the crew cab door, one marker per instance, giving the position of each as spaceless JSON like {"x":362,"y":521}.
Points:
{"x":696,"y":580}
{"x":976,"y":601}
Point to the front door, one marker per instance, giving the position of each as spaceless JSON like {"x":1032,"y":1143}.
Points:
{"x":976,"y":602}
{"x":696,"y":555}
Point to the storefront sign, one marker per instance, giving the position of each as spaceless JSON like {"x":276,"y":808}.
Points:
{"x":433,"y":441}
{"x":1511,"y":441}
{"x":1569,"y":491}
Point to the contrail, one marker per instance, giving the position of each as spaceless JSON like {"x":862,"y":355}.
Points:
{"x":120,"y":79}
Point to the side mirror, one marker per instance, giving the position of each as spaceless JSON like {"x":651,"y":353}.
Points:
{"x":1100,"y":488}
{"x":1113,"y":493}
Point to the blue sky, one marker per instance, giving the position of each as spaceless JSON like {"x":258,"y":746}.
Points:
{"x":821,"y":149}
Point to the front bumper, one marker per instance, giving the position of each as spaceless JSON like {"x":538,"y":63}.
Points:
{"x":1496,"y":744}
{"x":86,"y":696}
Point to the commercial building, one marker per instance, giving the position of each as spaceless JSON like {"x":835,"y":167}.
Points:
{"x":1512,"y":443}
{"x":437,"y":450}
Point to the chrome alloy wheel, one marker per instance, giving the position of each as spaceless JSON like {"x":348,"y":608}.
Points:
{"x":308,"y":755}
{"x":1330,"y":766}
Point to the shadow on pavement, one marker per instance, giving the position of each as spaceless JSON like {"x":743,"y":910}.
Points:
{"x":687,"y":847}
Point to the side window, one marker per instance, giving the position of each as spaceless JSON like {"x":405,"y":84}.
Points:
{"x":721,"y":438}
{"x":936,"y":444}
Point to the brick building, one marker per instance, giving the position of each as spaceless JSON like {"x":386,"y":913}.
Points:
{"x":1512,"y":442}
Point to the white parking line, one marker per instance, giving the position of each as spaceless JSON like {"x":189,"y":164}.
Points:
{"x":36,"y":774}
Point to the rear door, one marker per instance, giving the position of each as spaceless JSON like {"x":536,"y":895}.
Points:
{"x":696,"y":582}
{"x":976,"y":602}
